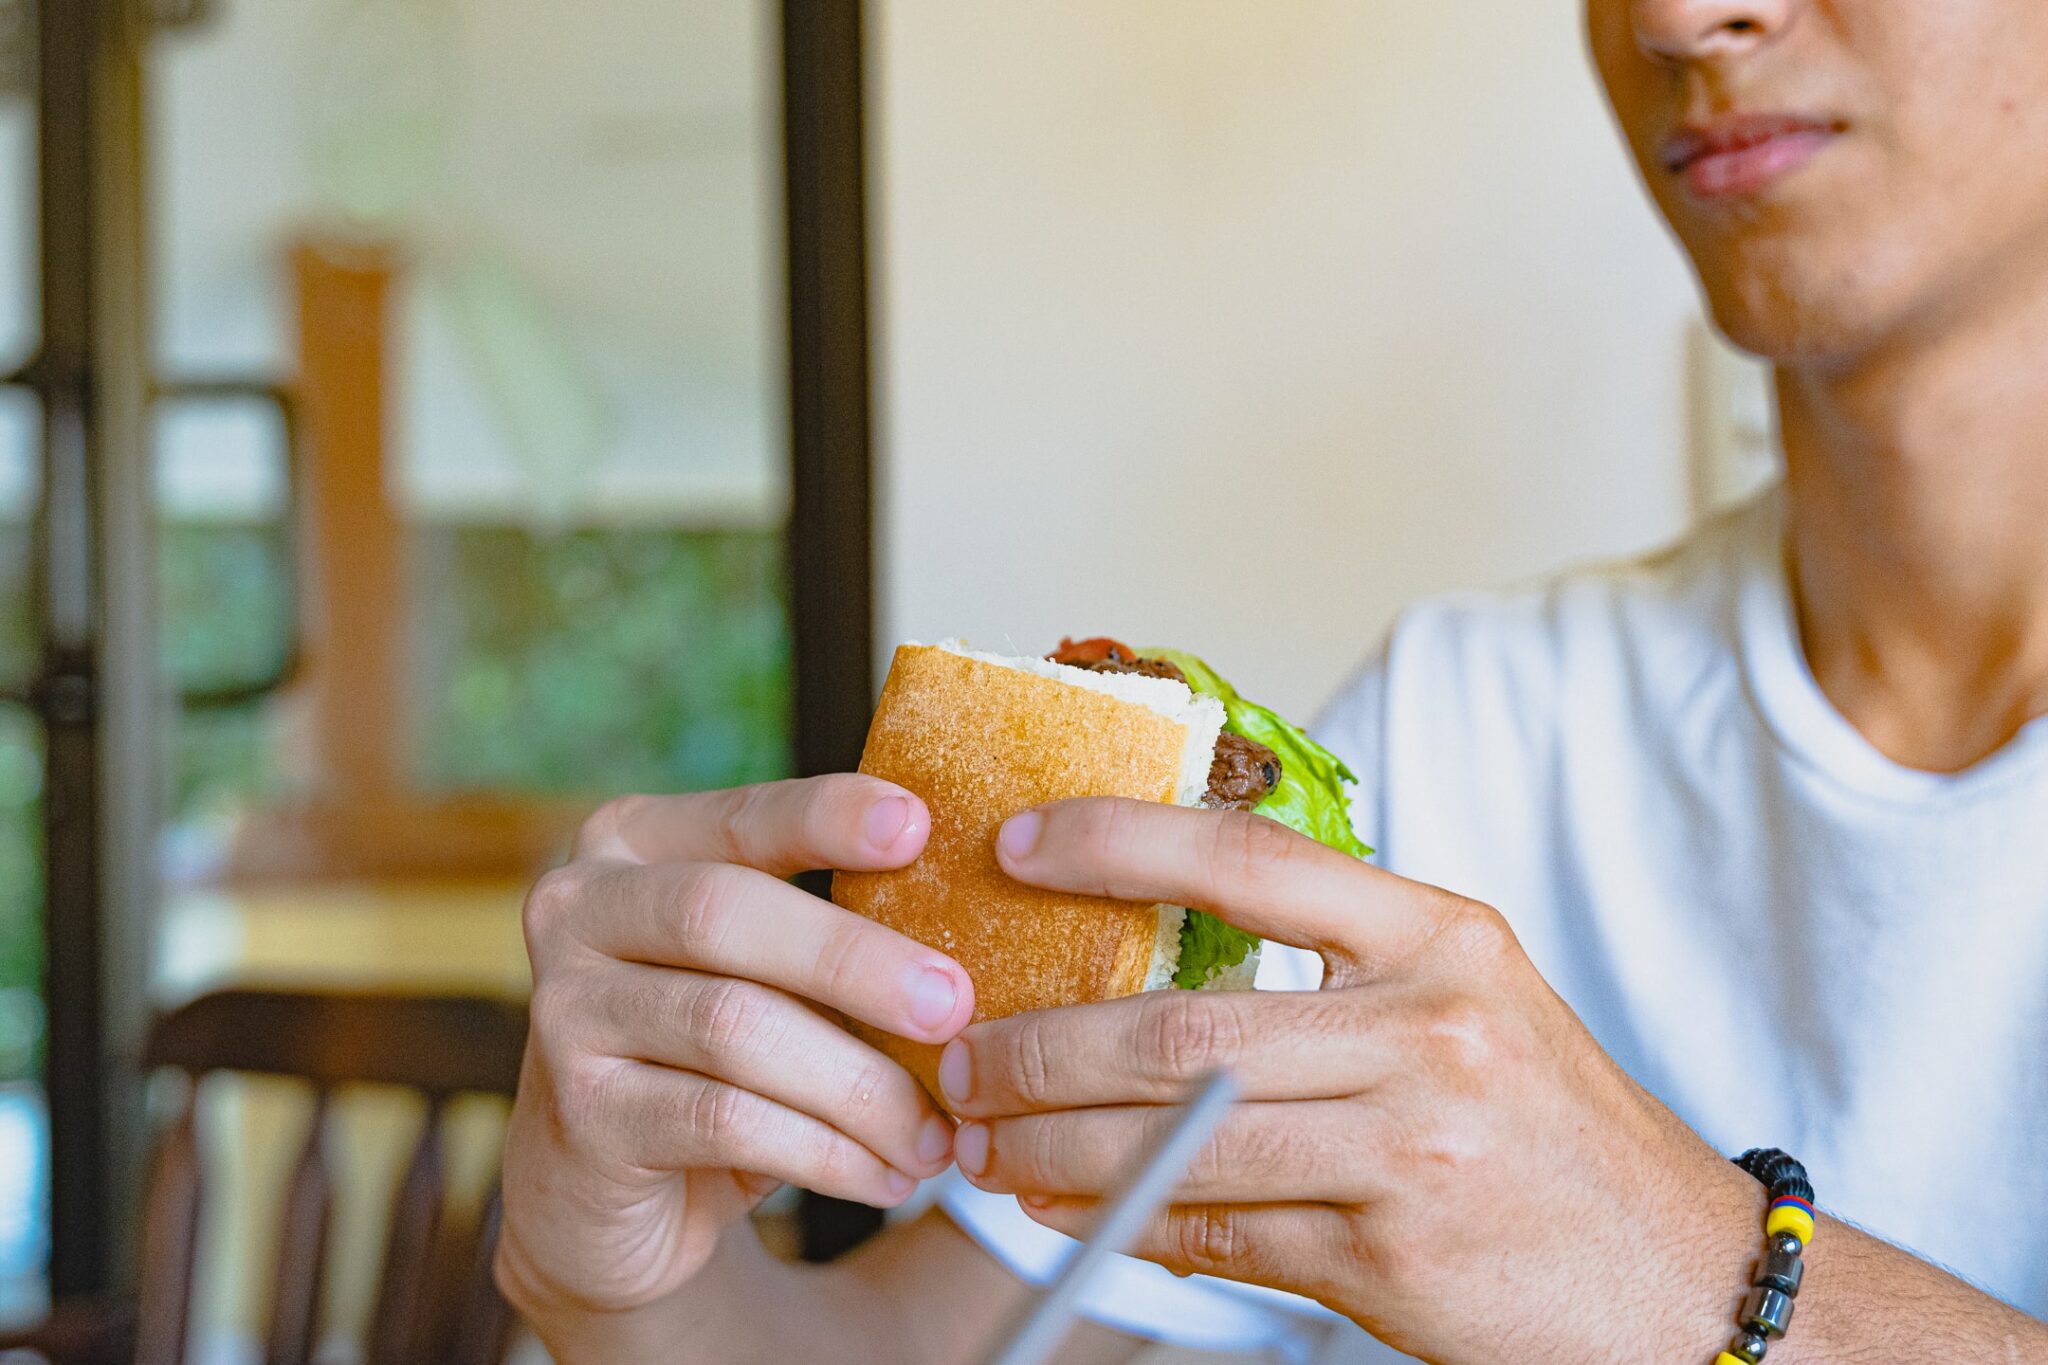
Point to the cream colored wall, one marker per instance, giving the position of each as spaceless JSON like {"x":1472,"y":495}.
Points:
{"x":1357,"y":294}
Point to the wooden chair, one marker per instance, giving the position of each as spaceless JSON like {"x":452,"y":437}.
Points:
{"x":436,"y":1301}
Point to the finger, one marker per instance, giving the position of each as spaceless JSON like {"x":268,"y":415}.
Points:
{"x":1247,"y":870}
{"x":1152,"y":1048}
{"x":734,"y":921}
{"x":1315,"y":1151}
{"x":845,"y":820}
{"x":1282,"y":1246}
{"x":667,"y":1120}
{"x":763,"y":1040}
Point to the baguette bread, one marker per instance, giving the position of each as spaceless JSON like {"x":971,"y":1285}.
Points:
{"x":980,"y":738}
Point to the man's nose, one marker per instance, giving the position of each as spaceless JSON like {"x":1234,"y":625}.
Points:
{"x":1688,"y":30}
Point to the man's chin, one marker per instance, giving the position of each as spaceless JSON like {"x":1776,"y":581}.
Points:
{"x":1790,"y":320}
{"x":1811,"y":298}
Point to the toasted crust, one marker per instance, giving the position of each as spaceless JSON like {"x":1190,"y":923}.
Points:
{"x":980,"y":742}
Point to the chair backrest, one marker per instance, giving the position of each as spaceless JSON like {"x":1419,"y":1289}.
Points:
{"x":436,"y":1301}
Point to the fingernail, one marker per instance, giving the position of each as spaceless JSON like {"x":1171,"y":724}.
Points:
{"x":933,"y":997}
{"x":970,"y":1148}
{"x":956,"y":1073}
{"x":899,"y":1185}
{"x":1020,"y":834}
{"x":1035,"y":1202}
{"x":887,"y":819}
{"x":934,"y":1141}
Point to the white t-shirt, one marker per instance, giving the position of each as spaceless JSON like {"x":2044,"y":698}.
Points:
{"x":1789,"y":939}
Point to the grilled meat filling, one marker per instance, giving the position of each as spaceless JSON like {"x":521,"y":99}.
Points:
{"x":1244,"y":771}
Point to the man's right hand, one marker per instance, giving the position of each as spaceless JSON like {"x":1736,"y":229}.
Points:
{"x":680,"y":1065}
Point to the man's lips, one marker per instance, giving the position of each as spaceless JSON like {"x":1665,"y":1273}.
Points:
{"x":1744,"y":154}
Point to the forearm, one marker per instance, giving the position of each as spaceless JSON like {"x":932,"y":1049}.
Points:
{"x":745,"y":1305}
{"x":1866,"y":1302}
{"x":922,"y":1293}
{"x":1862,"y":1302}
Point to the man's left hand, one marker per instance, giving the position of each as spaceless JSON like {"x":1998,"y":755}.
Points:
{"x":1431,"y":1144}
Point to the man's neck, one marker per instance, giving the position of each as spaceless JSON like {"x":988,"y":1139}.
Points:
{"x":1918,"y":482}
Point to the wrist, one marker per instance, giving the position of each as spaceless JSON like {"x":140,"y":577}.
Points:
{"x":1713,"y":1245}
{"x":621,"y":1322}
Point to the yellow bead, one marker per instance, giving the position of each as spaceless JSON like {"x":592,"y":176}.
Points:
{"x":1725,"y":1359}
{"x":1793,"y":1219}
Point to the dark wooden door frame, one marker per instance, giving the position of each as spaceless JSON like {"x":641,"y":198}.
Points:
{"x":95,"y":690}
{"x":831,"y":524}
{"x":831,"y":553}
{"x":64,"y":695}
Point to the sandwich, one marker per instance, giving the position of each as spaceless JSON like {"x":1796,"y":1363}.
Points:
{"x":981,"y":737}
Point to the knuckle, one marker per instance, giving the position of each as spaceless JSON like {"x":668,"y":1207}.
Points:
{"x":783,"y":824}
{"x":1459,"y":1034}
{"x":1109,"y":826}
{"x":1208,"y":1238}
{"x":1391,"y":1259}
{"x":823,"y":812}
{"x":603,"y":831}
{"x":723,"y":1016}
{"x":833,"y":1161}
{"x":846,"y":960}
{"x":1043,"y":1157}
{"x":718,"y":1115}
{"x":865,"y":1092}
{"x":1247,"y":845}
{"x":1441,"y":1148}
{"x":747,"y":813}
{"x":707,"y":904}
{"x":1182,"y":1035}
{"x":1477,"y":934}
{"x":829,"y":1164}
{"x":552,"y":905}
{"x":1030,"y":1060}
{"x":580,"y":1098}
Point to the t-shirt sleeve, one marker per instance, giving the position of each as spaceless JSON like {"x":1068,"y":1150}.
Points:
{"x":1352,"y":725}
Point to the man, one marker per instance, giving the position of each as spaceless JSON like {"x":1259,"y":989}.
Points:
{"x":1767,"y":812}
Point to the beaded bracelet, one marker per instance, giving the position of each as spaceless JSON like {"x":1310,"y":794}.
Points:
{"x":1788,"y":1227}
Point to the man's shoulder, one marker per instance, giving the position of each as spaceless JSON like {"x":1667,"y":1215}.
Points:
{"x":1601,"y":634}
{"x":1686,"y":588}
{"x":1656,"y":617}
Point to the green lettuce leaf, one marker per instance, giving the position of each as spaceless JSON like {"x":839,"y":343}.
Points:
{"x":1209,"y":946}
{"x":1310,"y":800}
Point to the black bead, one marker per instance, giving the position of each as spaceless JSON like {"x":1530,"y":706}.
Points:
{"x":1771,"y":1167}
{"x":1764,"y":1163}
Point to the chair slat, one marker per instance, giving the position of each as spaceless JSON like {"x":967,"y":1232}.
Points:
{"x":170,"y":1238}
{"x":399,"y":1330}
{"x":302,"y":1250}
{"x":483,"y":1320}
{"x":436,"y":1300}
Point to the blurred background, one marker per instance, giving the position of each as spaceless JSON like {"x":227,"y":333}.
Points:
{"x":423,"y":418}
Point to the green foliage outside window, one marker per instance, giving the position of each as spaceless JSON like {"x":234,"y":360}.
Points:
{"x":592,"y":661}
{"x":21,"y":895}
